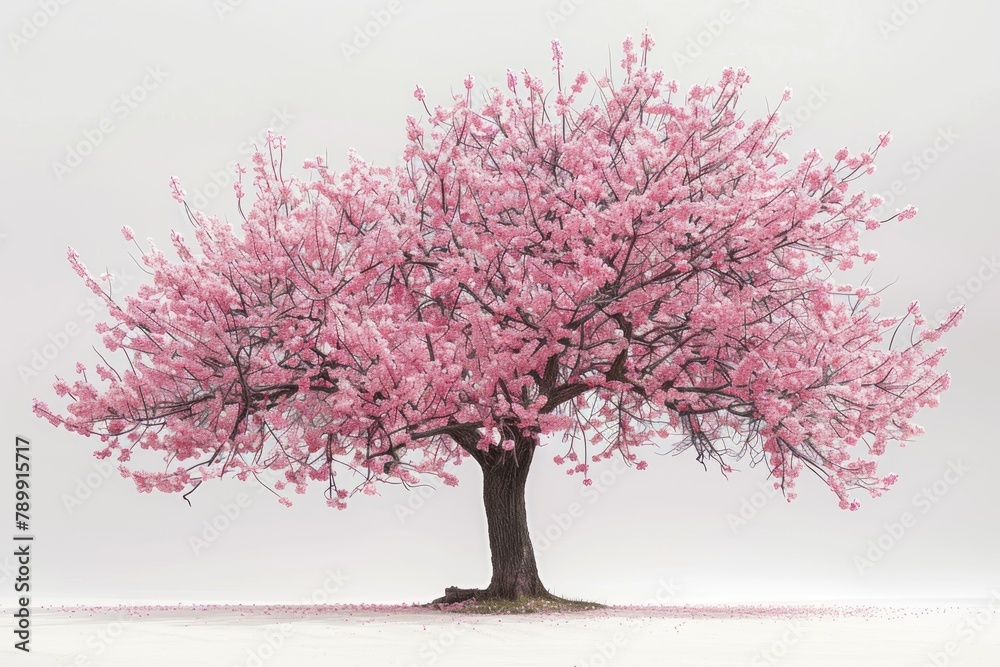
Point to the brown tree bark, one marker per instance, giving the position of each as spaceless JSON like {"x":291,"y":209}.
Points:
{"x":515,"y":573}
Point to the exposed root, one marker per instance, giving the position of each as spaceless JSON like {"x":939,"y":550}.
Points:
{"x":483,"y":601}
{"x":455,"y":595}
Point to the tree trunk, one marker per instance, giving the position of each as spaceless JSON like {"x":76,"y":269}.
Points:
{"x":514,"y":571}
{"x":515,"y":574}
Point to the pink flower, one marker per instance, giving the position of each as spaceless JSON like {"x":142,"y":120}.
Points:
{"x":176,"y":191}
{"x":907,"y":213}
{"x":647,"y":42}
{"x":557,"y":56}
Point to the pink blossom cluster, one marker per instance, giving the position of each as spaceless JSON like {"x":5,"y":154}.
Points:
{"x":616,"y":272}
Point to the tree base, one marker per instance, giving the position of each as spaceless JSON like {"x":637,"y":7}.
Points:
{"x":484,"y":601}
{"x":456,"y":595}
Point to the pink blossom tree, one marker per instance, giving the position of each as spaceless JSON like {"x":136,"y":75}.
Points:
{"x":592,"y":277}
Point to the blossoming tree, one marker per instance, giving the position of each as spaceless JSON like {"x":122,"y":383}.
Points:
{"x":591,"y":277}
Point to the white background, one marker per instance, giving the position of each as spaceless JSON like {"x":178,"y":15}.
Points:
{"x":924,"y":70}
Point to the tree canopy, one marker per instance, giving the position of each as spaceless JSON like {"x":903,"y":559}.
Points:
{"x":612,"y":272}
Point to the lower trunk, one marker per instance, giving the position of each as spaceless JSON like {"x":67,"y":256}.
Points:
{"x":515,"y":574}
{"x":514,"y":571}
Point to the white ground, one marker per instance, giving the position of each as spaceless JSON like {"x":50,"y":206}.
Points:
{"x":387,"y":637}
